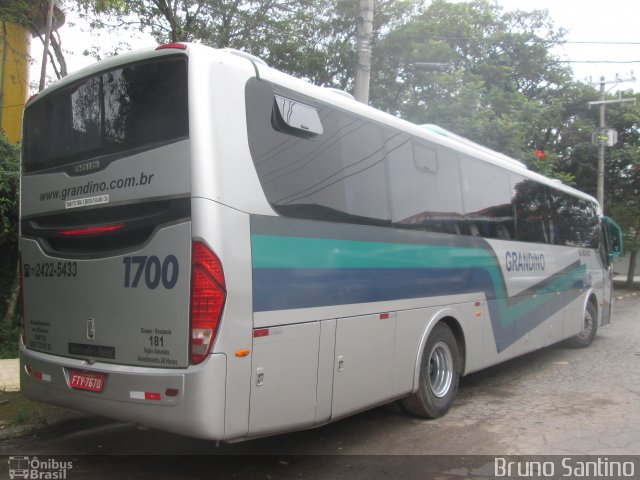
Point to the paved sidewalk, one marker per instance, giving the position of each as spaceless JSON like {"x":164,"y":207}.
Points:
{"x":10,"y":375}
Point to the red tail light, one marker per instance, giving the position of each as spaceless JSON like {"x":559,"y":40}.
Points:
{"x":207,"y":300}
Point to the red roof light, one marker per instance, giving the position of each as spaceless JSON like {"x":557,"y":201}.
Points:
{"x":178,"y":45}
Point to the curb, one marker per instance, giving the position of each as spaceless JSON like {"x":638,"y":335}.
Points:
{"x":620,"y":297}
{"x":10,"y":375}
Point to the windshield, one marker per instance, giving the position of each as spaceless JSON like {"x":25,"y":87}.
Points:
{"x":133,"y":107}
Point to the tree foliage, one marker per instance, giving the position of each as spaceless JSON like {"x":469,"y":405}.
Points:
{"x":312,"y":39}
{"x":501,"y":88}
{"x":9,"y":184}
{"x":29,"y":14}
{"x":14,"y":11}
{"x":9,"y":181}
{"x":622,"y":177}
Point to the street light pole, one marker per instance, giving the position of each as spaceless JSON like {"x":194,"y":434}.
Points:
{"x":600,"y":183}
{"x":363,"y":66}
{"x":602,"y":137}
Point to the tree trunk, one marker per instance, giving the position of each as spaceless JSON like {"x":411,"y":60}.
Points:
{"x":47,"y":38}
{"x":632,"y":269}
{"x":13,"y":298}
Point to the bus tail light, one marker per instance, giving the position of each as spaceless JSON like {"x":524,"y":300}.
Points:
{"x":207,"y":300}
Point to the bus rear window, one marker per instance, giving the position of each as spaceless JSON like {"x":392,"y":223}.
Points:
{"x":130,"y":108}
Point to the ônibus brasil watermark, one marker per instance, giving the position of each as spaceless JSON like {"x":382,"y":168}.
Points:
{"x":36,"y":469}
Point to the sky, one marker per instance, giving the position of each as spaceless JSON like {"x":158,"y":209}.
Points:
{"x":595,"y":21}
{"x":604,"y":32}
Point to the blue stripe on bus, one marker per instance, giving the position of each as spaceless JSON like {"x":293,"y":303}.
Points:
{"x":286,"y":288}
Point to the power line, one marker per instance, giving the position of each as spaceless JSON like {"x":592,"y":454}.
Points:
{"x":598,"y":42}
{"x":598,"y":61}
{"x":560,"y":42}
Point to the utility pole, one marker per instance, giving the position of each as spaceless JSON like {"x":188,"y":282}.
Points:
{"x":363,"y":50}
{"x":603,"y":124}
{"x":604,"y":137}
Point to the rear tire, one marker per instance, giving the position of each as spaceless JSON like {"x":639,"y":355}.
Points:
{"x":439,"y":375}
{"x":589,"y":328}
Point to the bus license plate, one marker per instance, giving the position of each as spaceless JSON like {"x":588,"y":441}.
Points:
{"x":91,"y":381}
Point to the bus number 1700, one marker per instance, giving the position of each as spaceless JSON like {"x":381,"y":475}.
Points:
{"x":151,"y":270}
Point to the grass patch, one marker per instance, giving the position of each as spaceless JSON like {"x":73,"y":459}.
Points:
{"x":17,"y":411}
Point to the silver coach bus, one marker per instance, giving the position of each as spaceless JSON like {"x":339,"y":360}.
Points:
{"x":214,"y":248}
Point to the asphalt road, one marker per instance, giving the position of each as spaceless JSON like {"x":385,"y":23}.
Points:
{"x":557,"y":401}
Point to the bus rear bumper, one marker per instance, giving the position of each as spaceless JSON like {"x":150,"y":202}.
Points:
{"x":187,"y":401}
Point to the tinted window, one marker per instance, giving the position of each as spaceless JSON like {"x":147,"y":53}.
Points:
{"x":425,"y":187}
{"x":532,"y":213}
{"x":576,"y":220}
{"x":132,"y":107}
{"x":487,"y":199}
{"x":338,"y":174}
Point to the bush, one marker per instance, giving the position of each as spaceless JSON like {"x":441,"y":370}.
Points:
{"x":9,"y":181}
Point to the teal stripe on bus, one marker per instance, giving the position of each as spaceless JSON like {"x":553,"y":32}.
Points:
{"x":304,"y":272}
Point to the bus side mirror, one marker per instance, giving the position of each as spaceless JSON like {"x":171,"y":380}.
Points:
{"x":615,"y":237}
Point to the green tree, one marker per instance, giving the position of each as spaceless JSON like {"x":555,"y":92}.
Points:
{"x":502,"y":87}
{"x":312,"y":39}
{"x":9,"y":181}
{"x":31,"y":15}
{"x":579,"y":157}
{"x":622,"y":177}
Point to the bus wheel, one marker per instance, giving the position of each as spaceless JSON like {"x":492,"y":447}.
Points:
{"x":439,"y":375}
{"x":589,"y":328}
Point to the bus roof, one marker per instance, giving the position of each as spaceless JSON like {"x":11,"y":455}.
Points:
{"x":231,"y":57}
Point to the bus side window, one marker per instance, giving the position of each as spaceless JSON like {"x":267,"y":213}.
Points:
{"x":530,"y":204}
{"x":424,"y":187}
{"x":317,"y":162}
{"x":487,"y":199}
